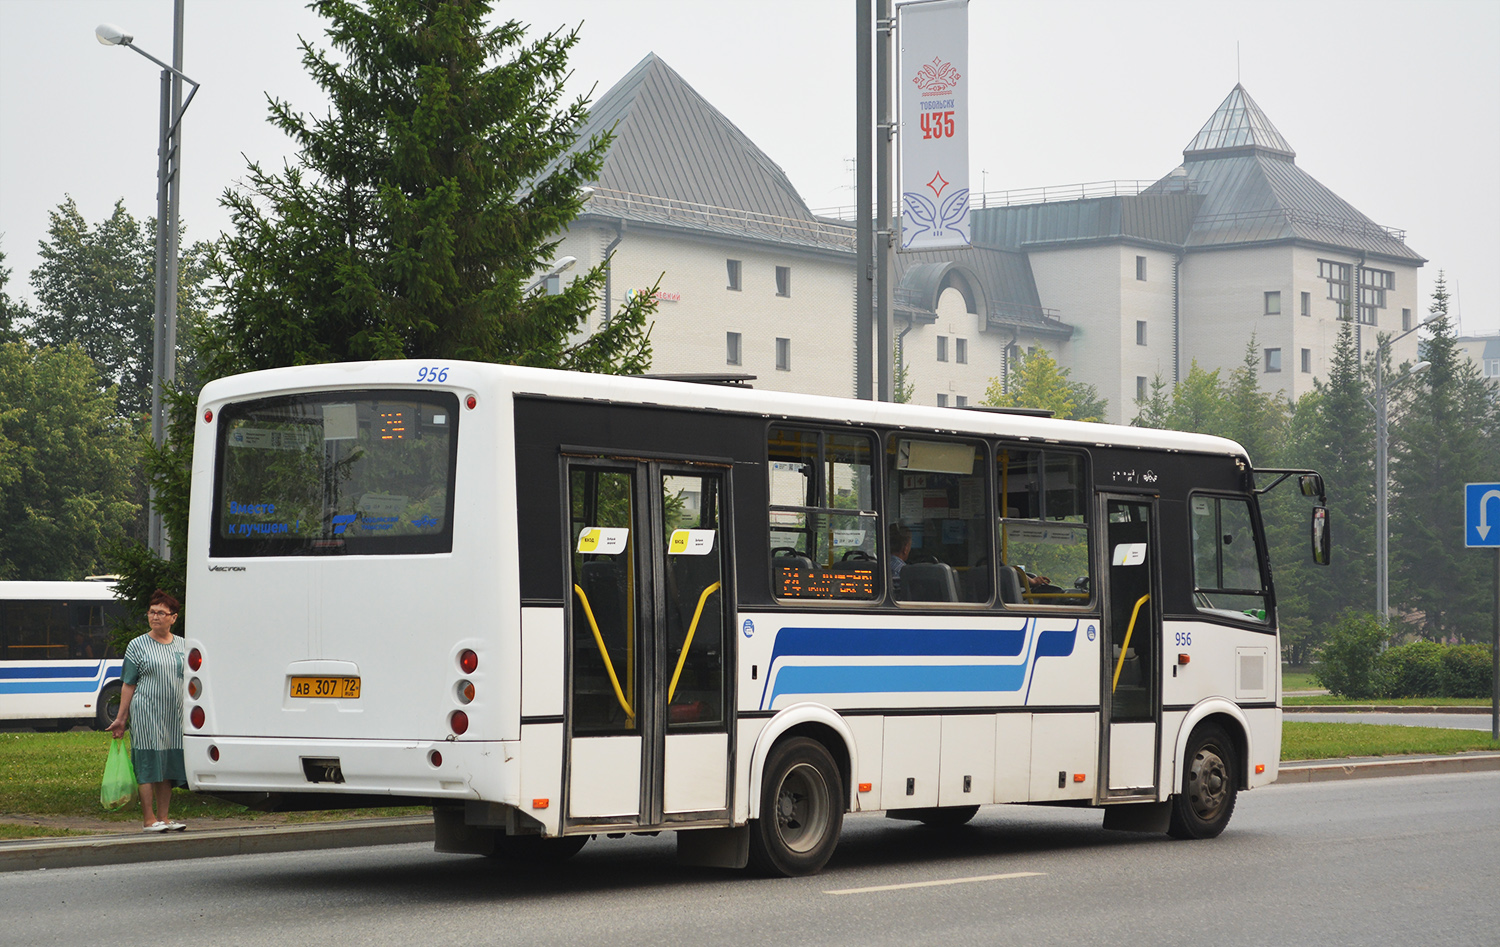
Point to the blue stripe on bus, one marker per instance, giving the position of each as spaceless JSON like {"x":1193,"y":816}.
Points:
{"x":48,"y":687}
{"x":12,"y":670}
{"x":916,"y":643}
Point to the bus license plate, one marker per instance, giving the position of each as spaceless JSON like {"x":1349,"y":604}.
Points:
{"x":338,"y":687}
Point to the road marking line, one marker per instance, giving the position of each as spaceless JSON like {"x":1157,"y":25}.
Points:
{"x":933,"y":884}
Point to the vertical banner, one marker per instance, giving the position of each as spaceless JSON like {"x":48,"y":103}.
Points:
{"x":934,"y":37}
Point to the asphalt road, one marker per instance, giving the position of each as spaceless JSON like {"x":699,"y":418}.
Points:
{"x":1367,"y":862}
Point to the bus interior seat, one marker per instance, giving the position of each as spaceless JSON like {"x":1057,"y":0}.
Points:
{"x":975,"y":582}
{"x":928,"y":582}
{"x":1130,"y":673}
{"x":1010,"y":585}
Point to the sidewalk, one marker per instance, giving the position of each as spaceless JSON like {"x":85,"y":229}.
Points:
{"x":118,"y":849}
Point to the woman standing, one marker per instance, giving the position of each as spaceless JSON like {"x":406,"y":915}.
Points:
{"x":151,"y":686}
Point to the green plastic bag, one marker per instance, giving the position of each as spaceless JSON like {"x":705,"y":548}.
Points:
{"x":119,"y":784}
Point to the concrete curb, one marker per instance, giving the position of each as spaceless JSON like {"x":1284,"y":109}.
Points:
{"x":93,"y":850}
{"x":1317,"y":771}
{"x":1380,"y":709}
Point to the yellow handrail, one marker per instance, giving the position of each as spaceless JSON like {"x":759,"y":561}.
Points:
{"x":692,"y":629}
{"x":604,"y":653}
{"x":1130,"y":630}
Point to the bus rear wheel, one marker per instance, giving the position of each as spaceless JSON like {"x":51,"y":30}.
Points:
{"x":1210,"y":784}
{"x":801,"y":810}
{"x":109,"y":707}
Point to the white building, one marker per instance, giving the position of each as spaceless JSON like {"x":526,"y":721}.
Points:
{"x":1237,"y":244}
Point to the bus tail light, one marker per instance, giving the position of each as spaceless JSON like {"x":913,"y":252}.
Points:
{"x":195,"y":659}
{"x":467,"y":660}
{"x":213,"y":753}
{"x":1260,"y":768}
{"x":458,"y":721}
{"x":465,"y":690}
{"x":208,"y":416}
{"x":195,"y":688}
{"x":197,"y":718}
{"x":435,"y":758}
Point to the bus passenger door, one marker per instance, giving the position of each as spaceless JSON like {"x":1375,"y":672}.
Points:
{"x":648,"y":728}
{"x":1131,"y":703}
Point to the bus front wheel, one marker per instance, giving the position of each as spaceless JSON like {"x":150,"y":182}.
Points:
{"x":801,"y":810}
{"x":1210,"y":783}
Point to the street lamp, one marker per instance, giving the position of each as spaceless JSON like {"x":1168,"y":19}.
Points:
{"x":1382,"y":478}
{"x":558,"y":268}
{"x":168,"y":164}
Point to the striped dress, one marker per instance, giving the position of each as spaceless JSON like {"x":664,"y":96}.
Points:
{"x":156,"y":670}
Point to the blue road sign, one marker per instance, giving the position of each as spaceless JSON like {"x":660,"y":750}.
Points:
{"x":1482,"y":514}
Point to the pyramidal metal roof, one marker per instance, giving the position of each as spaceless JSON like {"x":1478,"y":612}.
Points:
{"x":1252,"y":191}
{"x":672,"y":145}
{"x":1237,"y":123}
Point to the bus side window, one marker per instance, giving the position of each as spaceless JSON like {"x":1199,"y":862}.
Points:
{"x":1044,"y":527}
{"x":823,"y":527}
{"x":938,"y":498}
{"x":1227,"y":578}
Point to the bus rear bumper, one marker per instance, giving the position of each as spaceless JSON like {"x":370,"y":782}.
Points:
{"x":429,"y":769}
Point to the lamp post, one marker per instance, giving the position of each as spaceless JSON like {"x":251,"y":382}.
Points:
{"x":168,"y":164}
{"x":558,"y":268}
{"x":1382,"y":478}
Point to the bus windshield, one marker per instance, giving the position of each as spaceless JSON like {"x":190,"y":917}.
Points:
{"x":362,"y":473}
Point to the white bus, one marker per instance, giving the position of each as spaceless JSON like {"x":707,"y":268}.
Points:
{"x":555,"y":605}
{"x":57,"y":666}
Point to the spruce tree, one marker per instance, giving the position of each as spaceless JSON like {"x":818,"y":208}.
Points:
{"x":419,"y":209}
{"x":1442,"y":439}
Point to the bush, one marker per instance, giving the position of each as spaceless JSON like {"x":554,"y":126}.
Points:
{"x":1411,"y":670}
{"x":1349,"y":654}
{"x":1467,"y":671}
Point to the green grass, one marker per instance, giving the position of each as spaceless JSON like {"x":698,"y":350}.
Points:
{"x":58,"y":774}
{"x":1322,"y":700}
{"x":1298,"y":680}
{"x":1319,"y":741}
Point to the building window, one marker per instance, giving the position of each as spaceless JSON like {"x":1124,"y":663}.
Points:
{"x":1273,"y":302}
{"x":1492,"y":368}
{"x":961,"y":401}
{"x":1337,"y":276}
{"x":942,"y":401}
{"x":1373,"y":285}
{"x":1140,"y":387}
{"x":1307,"y":361}
{"x":1140,"y":332}
{"x":1307,"y":304}
{"x":734,"y":276}
{"x":732,"y":348}
{"x":1405,"y":319}
{"x":942,"y":348}
{"x":783,"y":355}
{"x":1140,"y":268}
{"x":1273,"y":360}
{"x":961,"y":351}
{"x":783,"y":280}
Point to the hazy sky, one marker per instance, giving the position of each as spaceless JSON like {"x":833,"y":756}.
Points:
{"x":1393,"y":104}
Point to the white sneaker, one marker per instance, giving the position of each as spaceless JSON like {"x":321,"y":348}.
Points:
{"x":156,"y":827}
{"x":175,"y":826}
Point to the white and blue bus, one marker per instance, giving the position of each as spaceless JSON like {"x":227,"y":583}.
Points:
{"x":556,"y":606}
{"x":57,"y":666}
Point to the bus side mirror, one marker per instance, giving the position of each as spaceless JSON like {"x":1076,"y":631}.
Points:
{"x":1311,"y":485}
{"x":1322,"y":536}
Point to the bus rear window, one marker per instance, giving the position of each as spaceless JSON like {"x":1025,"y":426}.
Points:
{"x":336,"y":473}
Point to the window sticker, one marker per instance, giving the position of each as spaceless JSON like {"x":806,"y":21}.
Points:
{"x":340,"y":422}
{"x":845,"y":538}
{"x":1201,"y":506}
{"x":603,"y":540}
{"x":1128,"y":554}
{"x":689,"y":542}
